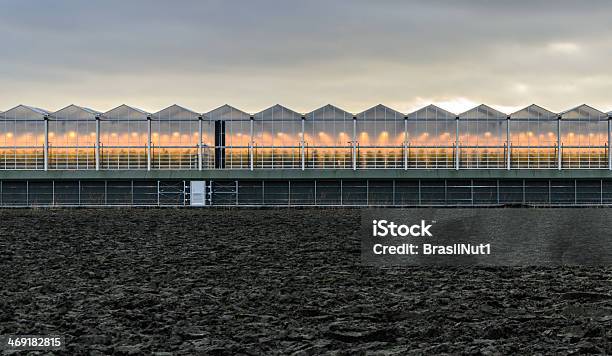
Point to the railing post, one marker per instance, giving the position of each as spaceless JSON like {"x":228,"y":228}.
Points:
{"x":302,"y":144}
{"x":149,"y":144}
{"x":97,"y":152}
{"x":457,"y":143}
{"x":200,"y":123}
{"x":46,"y":145}
{"x":508,"y":157}
{"x":609,"y":140}
{"x":405,"y":143}
{"x":251,"y":142}
{"x":405,"y":155}
{"x":354,"y":149}
{"x":559,"y":154}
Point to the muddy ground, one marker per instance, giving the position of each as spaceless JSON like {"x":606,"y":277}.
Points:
{"x":119,"y":281}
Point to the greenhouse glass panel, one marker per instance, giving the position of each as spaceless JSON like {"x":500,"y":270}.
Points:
{"x":233,"y":139}
{"x":277,"y":136}
{"x":380,"y":138}
{"x":533,"y":138}
{"x":482,"y":138}
{"x":328,"y":138}
{"x":22,"y":138}
{"x":431,"y":138}
{"x":584,"y":138}
{"x":175,"y":138}
{"x":124,"y":133}
{"x":72,"y":138}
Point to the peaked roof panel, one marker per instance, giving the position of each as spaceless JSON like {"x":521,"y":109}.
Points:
{"x":380,"y":112}
{"x":227,"y":112}
{"x":125,"y":112}
{"x":278,"y":112}
{"x":483,"y":112}
{"x":24,"y":112}
{"x":533,"y":112}
{"x":584,"y":112}
{"x":329,"y":112}
{"x":175,"y":112}
{"x":431,"y":112}
{"x":75,"y":112}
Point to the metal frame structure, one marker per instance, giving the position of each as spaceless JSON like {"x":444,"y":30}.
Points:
{"x":412,"y":193}
{"x":77,"y":193}
{"x":23,"y":139}
{"x":123,"y":134}
{"x":175,"y":138}
{"x":278,"y":157}
{"x":233,"y":138}
{"x":73,"y":139}
{"x":316,"y":192}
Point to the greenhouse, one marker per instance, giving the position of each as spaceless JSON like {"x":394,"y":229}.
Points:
{"x":176,"y":138}
{"x":329,"y":138}
{"x":124,"y":137}
{"x":23,"y":138}
{"x":533,"y":138}
{"x":231,"y":139}
{"x":431,"y":139}
{"x":226,"y":156}
{"x":73,"y":138}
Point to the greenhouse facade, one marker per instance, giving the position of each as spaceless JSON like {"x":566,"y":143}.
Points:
{"x":77,"y":156}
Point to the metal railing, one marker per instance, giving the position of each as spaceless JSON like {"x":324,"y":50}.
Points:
{"x":93,"y":193}
{"x":413,"y":192}
{"x":22,"y":158}
{"x":304,"y":157}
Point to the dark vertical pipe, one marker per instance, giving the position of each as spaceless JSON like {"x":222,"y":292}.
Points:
{"x":219,"y":144}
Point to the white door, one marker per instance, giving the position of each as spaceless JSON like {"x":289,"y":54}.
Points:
{"x":198,"y":193}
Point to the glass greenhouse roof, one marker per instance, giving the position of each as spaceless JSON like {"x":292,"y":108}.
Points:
{"x":533,"y":112}
{"x":227,"y":113}
{"x":278,"y":113}
{"x":380,"y":112}
{"x":74,"y":112}
{"x":483,"y":112}
{"x":584,"y":112}
{"x":329,"y":112}
{"x":175,"y":112}
{"x":24,"y":112}
{"x":125,"y":112}
{"x":431,"y":112}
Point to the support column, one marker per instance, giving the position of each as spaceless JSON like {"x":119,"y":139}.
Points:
{"x":508,"y":157}
{"x":97,"y":153}
{"x":251,"y":144}
{"x":149,"y":144}
{"x":559,"y":154}
{"x":405,"y":155}
{"x":457,"y":143}
{"x":200,"y":143}
{"x":220,"y":144}
{"x":354,"y":153}
{"x":302,"y":144}
{"x":609,"y":140}
{"x":405,"y":144}
{"x":46,"y":146}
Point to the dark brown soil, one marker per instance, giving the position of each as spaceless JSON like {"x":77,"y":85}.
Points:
{"x":274,"y":282}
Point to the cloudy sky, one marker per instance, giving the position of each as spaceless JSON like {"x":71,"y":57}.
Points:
{"x":304,"y":54}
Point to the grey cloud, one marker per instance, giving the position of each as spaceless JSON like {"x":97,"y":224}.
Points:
{"x":304,"y":53}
